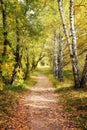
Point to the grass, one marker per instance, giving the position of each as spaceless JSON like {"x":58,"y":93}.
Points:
{"x":32,"y":80}
{"x":75,"y":100}
{"x":9,"y":97}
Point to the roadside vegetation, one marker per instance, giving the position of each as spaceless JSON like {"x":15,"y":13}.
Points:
{"x":9,"y":98}
{"x":74,"y":100}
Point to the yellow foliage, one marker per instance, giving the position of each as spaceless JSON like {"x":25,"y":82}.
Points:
{"x":7,"y":68}
{"x":19,"y":77}
{"x":1,"y":85}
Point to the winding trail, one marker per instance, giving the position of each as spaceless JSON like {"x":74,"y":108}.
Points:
{"x":40,"y":109}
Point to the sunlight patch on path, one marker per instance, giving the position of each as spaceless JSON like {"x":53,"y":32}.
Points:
{"x":36,"y":106}
{"x":38,"y":98}
{"x":43,"y":89}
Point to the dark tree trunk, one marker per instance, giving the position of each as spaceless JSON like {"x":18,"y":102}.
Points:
{"x":27,"y":69}
{"x":84,"y":75}
{"x":5,"y":40}
{"x":4,"y":17}
{"x":17,"y":64}
{"x":55,"y":64}
{"x":17,"y":55}
{"x":60,"y":60}
{"x":35,"y":62}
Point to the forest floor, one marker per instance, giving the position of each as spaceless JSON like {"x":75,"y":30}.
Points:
{"x":40,"y":109}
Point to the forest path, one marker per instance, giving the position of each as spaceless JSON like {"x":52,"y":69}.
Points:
{"x":40,"y":109}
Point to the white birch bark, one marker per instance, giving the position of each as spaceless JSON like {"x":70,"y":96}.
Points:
{"x":60,"y":3}
{"x":55,"y":57}
{"x":60,"y":59}
{"x":72,"y":47}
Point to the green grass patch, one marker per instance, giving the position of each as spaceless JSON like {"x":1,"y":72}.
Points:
{"x":15,"y":88}
{"x":30,"y":82}
{"x":69,"y":109}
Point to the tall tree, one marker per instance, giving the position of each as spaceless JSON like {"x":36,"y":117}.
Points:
{"x":60,"y":58}
{"x":55,"y":56}
{"x":4,"y":21}
{"x":17,"y":54}
{"x":72,"y":47}
{"x":84,"y":75}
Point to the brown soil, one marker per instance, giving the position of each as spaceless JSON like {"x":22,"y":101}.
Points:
{"x":40,"y":109}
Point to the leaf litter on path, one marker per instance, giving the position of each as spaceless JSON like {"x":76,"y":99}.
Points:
{"x":40,"y":109}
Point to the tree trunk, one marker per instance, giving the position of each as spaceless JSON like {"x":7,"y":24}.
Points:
{"x":5,"y":40}
{"x":17,"y":64}
{"x":27,"y":69}
{"x":40,"y":57}
{"x":72,"y":48}
{"x":84,"y":75}
{"x":60,"y":3}
{"x":55,"y":57}
{"x":4,"y":17}
{"x":60,"y":60}
{"x":17,"y":55}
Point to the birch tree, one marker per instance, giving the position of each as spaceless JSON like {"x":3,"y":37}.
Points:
{"x":72,"y":44}
{"x":60,"y":58}
{"x":55,"y":57}
{"x":72,"y":47}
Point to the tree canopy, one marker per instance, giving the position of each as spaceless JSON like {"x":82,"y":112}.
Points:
{"x":28,"y":30}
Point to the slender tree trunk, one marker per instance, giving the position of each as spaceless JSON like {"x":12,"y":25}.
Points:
{"x":17,"y":55}
{"x":55,"y":57}
{"x":27,"y":69}
{"x":17,"y":64}
{"x":72,"y":48}
{"x":35,"y":63}
{"x":40,"y":57}
{"x":60,"y":3}
{"x":4,"y":17}
{"x":60,"y":59}
{"x":84,"y":75}
{"x":5,"y":40}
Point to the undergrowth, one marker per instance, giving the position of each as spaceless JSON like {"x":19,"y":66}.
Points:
{"x":9,"y":97}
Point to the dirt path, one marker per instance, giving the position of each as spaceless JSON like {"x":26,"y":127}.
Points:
{"x":40,"y":109}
